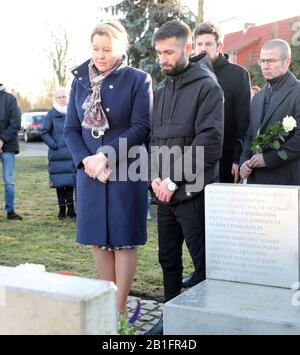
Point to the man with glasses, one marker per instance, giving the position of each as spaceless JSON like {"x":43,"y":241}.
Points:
{"x":280,"y":97}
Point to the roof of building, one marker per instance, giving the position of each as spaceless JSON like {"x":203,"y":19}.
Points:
{"x":258,"y":35}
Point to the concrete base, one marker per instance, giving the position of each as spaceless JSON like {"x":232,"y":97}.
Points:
{"x":44,"y":303}
{"x":227,"y":308}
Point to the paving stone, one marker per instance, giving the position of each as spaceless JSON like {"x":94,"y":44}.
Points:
{"x":144,"y":311}
{"x":133,"y":298}
{"x":143,"y":330}
{"x":132,"y":304}
{"x":146,"y":318}
{"x":155,"y":321}
{"x":156,"y":314}
{"x":149,"y":306}
{"x":151,"y":312}
{"x":138,"y":324}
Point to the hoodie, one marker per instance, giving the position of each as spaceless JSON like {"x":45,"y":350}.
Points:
{"x":188,"y":113}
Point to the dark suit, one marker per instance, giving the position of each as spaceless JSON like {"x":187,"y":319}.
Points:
{"x":269,"y":105}
{"x":235,"y":82}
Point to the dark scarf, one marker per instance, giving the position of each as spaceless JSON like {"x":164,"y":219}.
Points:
{"x":273,"y":85}
{"x":94,"y":116}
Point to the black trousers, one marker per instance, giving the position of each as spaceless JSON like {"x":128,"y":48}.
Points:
{"x":225,"y":168}
{"x":65,"y":195}
{"x":176,"y":224}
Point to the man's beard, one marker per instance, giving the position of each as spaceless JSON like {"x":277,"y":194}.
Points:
{"x":178,"y":68}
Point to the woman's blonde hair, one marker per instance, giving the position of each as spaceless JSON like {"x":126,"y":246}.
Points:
{"x":115,"y":31}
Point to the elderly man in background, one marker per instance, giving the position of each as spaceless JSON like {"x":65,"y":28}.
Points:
{"x":280,"y":97}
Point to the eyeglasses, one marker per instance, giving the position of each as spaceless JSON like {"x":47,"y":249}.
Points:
{"x":269,"y":61}
{"x":61,"y":97}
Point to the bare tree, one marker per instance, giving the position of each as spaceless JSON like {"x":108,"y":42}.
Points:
{"x":45,"y":100}
{"x":60,"y":57}
{"x":199,"y":16}
{"x":23,"y":101}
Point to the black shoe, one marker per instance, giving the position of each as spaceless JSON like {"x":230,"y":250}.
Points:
{"x":192,"y":280}
{"x":157,"y":329}
{"x":62,"y":212}
{"x":14,"y":216}
{"x":71,"y":211}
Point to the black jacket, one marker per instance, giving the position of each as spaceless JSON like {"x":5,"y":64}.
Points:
{"x":10,"y":122}
{"x":188,"y":112}
{"x":284,"y":101}
{"x":235,"y":83}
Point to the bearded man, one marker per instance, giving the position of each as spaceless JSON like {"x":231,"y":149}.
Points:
{"x":188,"y":114}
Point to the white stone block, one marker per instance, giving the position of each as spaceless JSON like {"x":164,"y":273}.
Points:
{"x":45,"y":303}
{"x":227,"y":308}
{"x":252,"y":234}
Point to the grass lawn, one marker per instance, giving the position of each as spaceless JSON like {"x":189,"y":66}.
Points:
{"x":42,"y":239}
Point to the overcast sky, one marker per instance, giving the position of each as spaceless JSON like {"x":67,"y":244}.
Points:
{"x":25,"y":27}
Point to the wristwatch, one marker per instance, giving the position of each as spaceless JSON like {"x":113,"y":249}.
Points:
{"x":171,"y":186}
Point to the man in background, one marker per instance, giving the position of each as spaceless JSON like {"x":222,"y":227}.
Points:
{"x":235,"y":83}
{"x":280,"y":97}
{"x":10,"y":122}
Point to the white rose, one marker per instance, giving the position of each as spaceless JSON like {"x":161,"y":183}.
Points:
{"x":289,"y":123}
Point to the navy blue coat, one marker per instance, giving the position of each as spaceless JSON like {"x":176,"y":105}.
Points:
{"x":61,"y":167}
{"x":113,"y":213}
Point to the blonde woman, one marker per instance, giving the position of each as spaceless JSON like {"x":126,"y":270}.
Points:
{"x":109,"y":101}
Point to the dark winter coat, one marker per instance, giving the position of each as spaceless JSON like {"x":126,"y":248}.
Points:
{"x":61,"y":167}
{"x":235,"y":83}
{"x":113,"y":213}
{"x":188,"y":112}
{"x":285,"y":100}
{"x":10,"y":122}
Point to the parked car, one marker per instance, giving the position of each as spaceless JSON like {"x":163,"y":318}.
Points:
{"x":31,"y":125}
